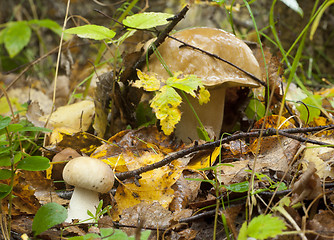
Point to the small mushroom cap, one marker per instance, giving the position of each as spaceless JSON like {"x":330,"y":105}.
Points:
{"x":213,"y":72}
{"x":89,"y":173}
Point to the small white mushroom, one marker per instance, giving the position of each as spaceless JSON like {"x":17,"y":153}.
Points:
{"x":89,"y":176}
{"x":216,"y":75}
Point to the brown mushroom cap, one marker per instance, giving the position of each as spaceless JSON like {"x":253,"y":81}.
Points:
{"x":89,"y":173}
{"x":212,"y":71}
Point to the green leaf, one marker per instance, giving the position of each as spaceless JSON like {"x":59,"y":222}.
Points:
{"x":34,"y":163}
{"x":4,"y":122}
{"x":293,"y":4}
{"x":4,"y":190}
{"x":187,"y":83}
{"x":167,"y":96}
{"x":5,"y":174}
{"x":146,"y":20}
{"x":14,"y":127}
{"x":165,"y":104}
{"x":5,"y":160}
{"x":255,"y":109}
{"x":34,"y":129}
{"x":16,"y":37}
{"x":316,"y":21}
{"x":145,"y":234}
{"x":243,"y":232}
{"x":48,"y":23}
{"x":144,"y":115}
{"x":115,"y":234}
{"x":203,"y":134}
{"x":89,"y":236}
{"x":265,"y":226}
{"x":92,"y":32}
{"x":47,"y":216}
{"x":2,"y":35}
{"x":238,"y":187}
{"x":314,"y":111}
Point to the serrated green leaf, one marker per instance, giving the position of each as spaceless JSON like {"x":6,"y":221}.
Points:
{"x":293,"y":4}
{"x":92,"y":32}
{"x":16,"y":37}
{"x":165,"y":104}
{"x":166,"y":96}
{"x":238,"y":187}
{"x":47,"y":216}
{"x":5,"y":174}
{"x":34,"y":163}
{"x":186,"y":83}
{"x":313,"y":111}
{"x":265,"y":226}
{"x":146,"y":20}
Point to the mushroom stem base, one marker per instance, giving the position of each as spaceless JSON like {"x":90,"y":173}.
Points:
{"x":81,"y":201}
{"x":211,"y":115}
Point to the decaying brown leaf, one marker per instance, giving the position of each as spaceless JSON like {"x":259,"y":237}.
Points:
{"x":322,"y":224}
{"x":308,"y":186}
{"x":151,"y":215}
{"x":185,"y":191}
{"x":25,"y":200}
{"x":321,"y":156}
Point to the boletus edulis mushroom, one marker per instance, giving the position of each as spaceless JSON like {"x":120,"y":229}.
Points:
{"x":216,"y":75}
{"x":89,"y":176}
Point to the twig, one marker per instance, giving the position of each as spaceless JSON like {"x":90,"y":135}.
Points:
{"x":210,"y":145}
{"x":160,"y":39}
{"x":221,"y":59}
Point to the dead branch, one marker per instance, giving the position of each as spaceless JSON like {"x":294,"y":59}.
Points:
{"x":241,"y":135}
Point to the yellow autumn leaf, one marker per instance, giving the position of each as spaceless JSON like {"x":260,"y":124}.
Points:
{"x":172,"y":117}
{"x":165,"y":104}
{"x":148,"y":82}
{"x":203,"y":96}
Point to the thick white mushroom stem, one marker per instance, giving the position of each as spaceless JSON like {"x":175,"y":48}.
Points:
{"x":211,"y":115}
{"x":89,"y":176}
{"x":81,"y":201}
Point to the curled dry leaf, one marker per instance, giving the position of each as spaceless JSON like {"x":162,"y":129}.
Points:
{"x":308,"y":186}
{"x":185,"y":191}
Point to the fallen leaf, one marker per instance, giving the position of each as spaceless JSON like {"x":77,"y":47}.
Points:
{"x":77,"y":116}
{"x":308,"y":187}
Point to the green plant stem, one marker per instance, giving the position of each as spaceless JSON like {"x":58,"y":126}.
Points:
{"x":207,"y":138}
{"x":10,"y":195}
{"x":127,"y":10}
